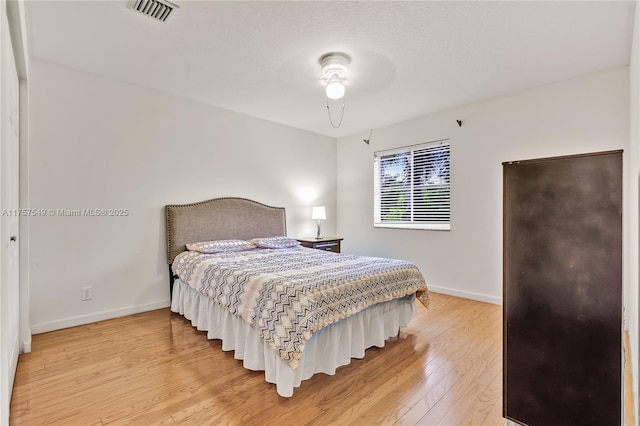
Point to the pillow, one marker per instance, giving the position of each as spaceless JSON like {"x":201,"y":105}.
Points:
{"x":275,"y":242}
{"x":220,"y":246}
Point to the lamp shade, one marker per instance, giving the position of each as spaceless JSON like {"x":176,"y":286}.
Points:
{"x":318,"y":213}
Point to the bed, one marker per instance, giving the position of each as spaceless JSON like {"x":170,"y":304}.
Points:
{"x":284,"y":309}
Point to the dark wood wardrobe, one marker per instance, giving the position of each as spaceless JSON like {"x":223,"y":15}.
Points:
{"x":562,"y":294}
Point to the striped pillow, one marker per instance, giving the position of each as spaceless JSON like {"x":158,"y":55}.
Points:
{"x":220,"y":246}
{"x":275,"y":242}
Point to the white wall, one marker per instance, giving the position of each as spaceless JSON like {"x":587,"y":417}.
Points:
{"x":633,"y":199}
{"x":581,"y":115}
{"x":97,"y":143}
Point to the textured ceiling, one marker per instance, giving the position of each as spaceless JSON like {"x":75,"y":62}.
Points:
{"x":408,"y":58}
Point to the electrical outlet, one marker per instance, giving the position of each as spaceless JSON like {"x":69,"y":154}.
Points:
{"x":86,"y":293}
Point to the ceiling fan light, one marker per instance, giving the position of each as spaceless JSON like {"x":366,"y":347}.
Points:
{"x":335,"y":89}
{"x":335,"y":72}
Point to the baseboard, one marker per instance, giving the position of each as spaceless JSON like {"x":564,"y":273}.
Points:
{"x":97,"y":316}
{"x":466,"y":294}
{"x":26,"y":346}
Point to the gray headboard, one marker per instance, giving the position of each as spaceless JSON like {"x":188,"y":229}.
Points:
{"x":221,"y":219}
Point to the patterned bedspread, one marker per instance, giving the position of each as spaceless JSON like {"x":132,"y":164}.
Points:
{"x":288,"y":294}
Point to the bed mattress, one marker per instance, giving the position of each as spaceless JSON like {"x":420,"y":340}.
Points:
{"x":287,"y":295}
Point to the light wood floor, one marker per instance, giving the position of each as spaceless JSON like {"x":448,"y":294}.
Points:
{"x":154,"y":368}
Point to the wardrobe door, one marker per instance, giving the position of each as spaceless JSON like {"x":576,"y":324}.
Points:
{"x":562,"y":290}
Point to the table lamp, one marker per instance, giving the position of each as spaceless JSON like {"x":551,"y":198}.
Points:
{"x":318,"y":213}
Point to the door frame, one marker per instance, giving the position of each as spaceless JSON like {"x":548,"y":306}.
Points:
{"x":14,"y":18}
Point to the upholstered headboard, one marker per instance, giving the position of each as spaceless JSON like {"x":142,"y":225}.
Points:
{"x":221,"y":219}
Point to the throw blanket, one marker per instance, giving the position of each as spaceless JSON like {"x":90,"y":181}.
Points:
{"x":288,"y":294}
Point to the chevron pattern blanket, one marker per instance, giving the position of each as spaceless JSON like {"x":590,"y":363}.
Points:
{"x":288,"y":294}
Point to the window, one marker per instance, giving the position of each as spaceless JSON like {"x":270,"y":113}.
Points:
{"x":412,"y":187}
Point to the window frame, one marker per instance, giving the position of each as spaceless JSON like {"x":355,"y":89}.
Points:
{"x":410,"y":151}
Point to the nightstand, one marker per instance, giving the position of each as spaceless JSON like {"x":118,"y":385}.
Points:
{"x":324,"y":243}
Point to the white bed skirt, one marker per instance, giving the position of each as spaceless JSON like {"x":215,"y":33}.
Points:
{"x":327,"y":350}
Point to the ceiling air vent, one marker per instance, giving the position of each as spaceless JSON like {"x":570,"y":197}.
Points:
{"x":160,"y":10}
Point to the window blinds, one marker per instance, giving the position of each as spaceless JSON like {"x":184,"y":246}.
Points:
{"x":412,"y":187}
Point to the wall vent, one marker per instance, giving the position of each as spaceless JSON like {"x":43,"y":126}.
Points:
{"x":160,"y":10}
